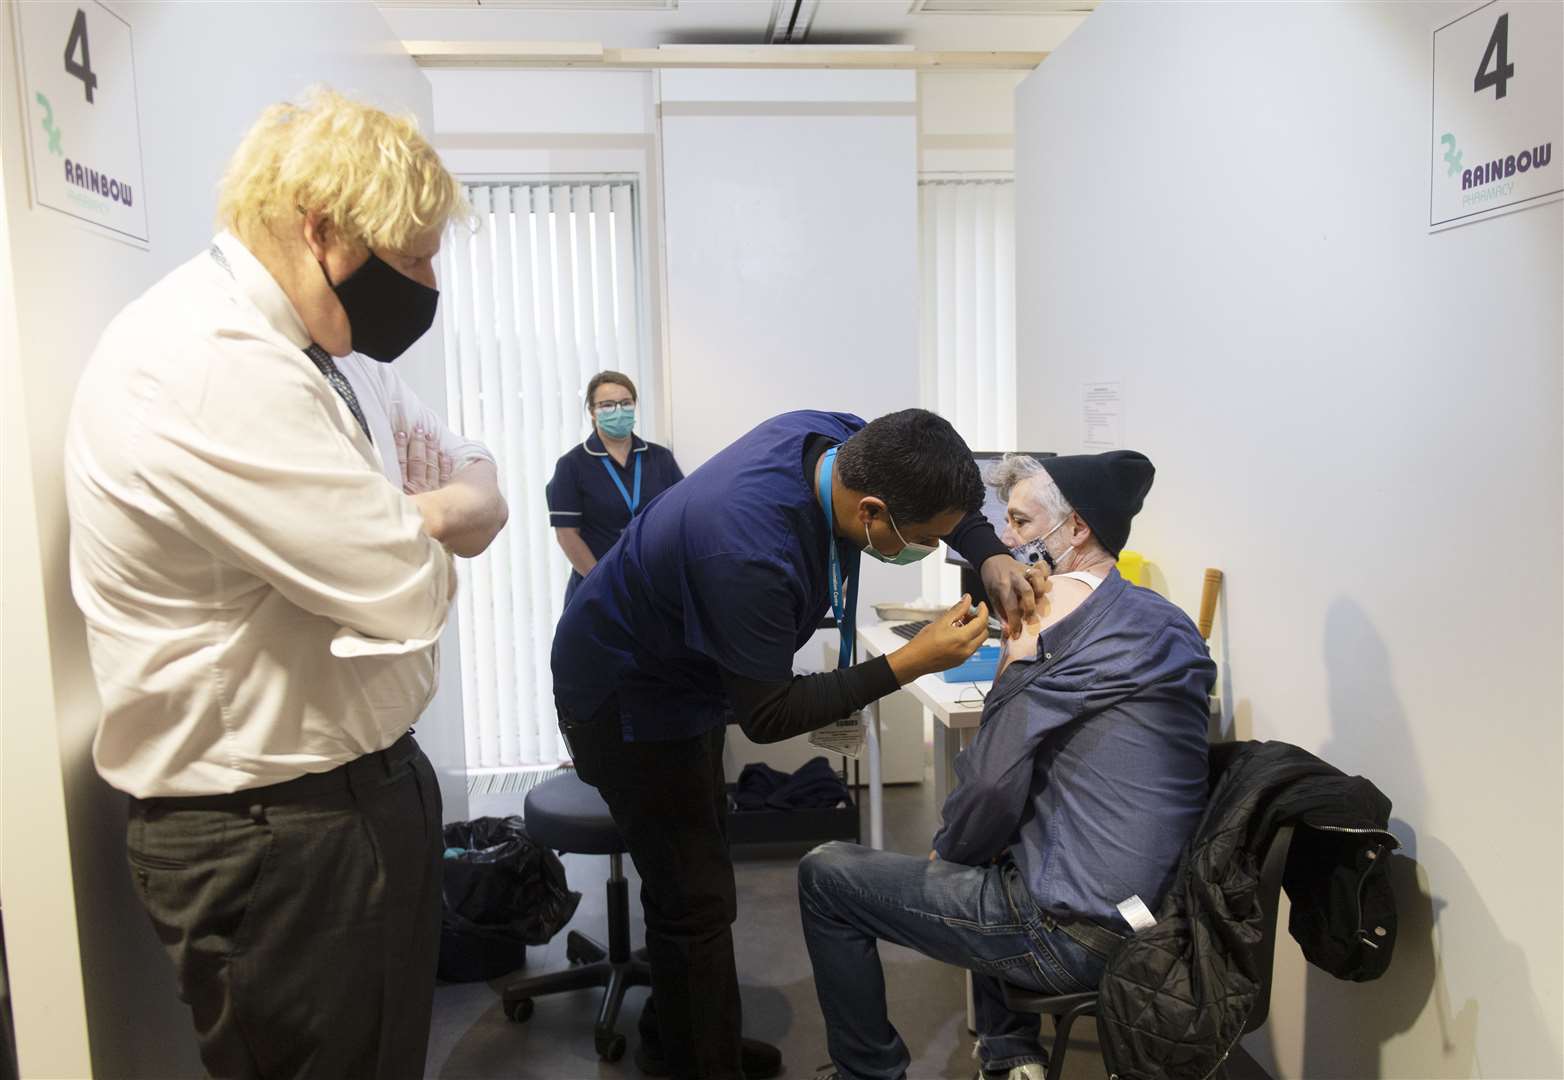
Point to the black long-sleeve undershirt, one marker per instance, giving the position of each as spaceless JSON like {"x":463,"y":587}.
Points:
{"x":772,"y":711}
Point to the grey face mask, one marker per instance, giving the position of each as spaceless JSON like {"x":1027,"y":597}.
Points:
{"x":1033,"y":550}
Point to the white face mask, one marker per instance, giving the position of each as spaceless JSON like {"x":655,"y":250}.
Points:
{"x":1036,"y":549}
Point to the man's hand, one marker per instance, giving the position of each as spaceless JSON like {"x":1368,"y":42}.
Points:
{"x":1019,"y":593}
{"x":948,"y":640}
{"x":933,"y":856}
{"x":425,"y":467}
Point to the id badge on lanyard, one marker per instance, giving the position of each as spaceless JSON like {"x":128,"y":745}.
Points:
{"x":846,"y":736}
{"x":844,"y":595}
{"x":632,"y":501}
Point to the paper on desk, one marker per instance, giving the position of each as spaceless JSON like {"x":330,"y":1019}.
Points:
{"x":844,"y":737}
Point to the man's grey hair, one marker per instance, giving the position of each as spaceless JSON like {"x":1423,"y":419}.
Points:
{"x":1004,"y":474}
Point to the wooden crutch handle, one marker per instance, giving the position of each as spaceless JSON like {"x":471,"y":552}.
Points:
{"x":1208,"y":595}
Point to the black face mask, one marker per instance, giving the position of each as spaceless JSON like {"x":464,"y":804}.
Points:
{"x":387,"y":310}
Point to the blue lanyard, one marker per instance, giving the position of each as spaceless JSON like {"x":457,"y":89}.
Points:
{"x":845,"y":608}
{"x":632,"y":501}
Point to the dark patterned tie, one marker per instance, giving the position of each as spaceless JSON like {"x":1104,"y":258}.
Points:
{"x":339,"y":383}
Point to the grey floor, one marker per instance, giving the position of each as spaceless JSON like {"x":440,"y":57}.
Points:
{"x":472,"y":1038}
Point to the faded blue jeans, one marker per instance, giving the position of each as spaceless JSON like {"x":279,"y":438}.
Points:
{"x":980,"y":918}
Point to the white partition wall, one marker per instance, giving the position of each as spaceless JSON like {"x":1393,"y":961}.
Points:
{"x":1224,"y":208}
{"x":792,"y":263}
{"x":93,"y":992}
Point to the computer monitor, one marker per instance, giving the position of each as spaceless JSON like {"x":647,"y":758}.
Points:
{"x":993,"y":505}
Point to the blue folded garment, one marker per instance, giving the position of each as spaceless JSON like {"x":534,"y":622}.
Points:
{"x":815,"y":786}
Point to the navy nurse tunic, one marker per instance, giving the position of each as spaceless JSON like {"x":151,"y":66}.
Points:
{"x":582,"y":495}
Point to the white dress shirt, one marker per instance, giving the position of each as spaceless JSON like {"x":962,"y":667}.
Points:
{"x":260,"y":601}
{"x":389,"y":405}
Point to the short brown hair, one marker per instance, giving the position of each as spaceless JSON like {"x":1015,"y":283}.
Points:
{"x":603,"y":378}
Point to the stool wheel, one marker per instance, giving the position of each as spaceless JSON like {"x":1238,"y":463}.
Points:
{"x":519,"y":1011}
{"x":610,"y":1046}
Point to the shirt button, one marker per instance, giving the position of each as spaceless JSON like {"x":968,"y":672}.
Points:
{"x":1379,"y":931}
{"x":1048,"y":656}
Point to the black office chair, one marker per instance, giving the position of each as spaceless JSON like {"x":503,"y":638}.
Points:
{"x":1066,"y":1009}
{"x":570,"y":816}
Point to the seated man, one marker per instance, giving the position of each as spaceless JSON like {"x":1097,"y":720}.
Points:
{"x":1072,"y":805}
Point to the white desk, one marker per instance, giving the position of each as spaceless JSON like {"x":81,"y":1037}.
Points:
{"x":957,"y":709}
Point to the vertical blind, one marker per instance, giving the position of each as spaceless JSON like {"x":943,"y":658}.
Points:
{"x":540,"y":296}
{"x":969,"y":314}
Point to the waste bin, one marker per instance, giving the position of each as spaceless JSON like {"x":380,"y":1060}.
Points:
{"x":501,"y":893}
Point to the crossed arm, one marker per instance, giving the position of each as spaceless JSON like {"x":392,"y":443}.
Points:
{"x":461,"y":507}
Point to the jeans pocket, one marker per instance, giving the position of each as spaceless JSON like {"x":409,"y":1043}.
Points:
{"x":1021,"y":969}
{"x":141,"y":860}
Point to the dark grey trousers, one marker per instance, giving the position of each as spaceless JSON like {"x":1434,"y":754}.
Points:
{"x":303,"y":919}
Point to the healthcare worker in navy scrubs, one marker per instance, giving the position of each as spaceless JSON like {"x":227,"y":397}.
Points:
{"x":603,"y":483}
{"x":691,"y":621}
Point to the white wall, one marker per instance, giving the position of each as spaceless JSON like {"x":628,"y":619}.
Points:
{"x":966,"y":121}
{"x":205,"y":71}
{"x":1225,"y":206}
{"x":791,"y":212}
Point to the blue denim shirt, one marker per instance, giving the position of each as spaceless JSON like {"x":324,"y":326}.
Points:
{"x":1090,"y":765}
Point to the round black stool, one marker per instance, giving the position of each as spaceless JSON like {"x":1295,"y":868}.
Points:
{"x":571,"y":817}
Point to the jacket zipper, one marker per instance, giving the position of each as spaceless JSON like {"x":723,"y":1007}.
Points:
{"x":1223,"y":1059}
{"x":1363,"y":832}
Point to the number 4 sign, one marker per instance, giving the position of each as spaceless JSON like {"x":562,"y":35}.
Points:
{"x":83,"y":122}
{"x":1498,"y":114}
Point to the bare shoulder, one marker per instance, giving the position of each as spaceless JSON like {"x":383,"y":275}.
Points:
{"x":1065,"y":596}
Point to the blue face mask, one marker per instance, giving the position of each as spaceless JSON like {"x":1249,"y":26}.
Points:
{"x":909,"y":553}
{"x":618,"y":424}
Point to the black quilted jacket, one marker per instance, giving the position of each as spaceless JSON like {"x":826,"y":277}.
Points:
{"x":1175,"y":997}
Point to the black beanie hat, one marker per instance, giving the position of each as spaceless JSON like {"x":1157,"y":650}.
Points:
{"x":1107,"y":490}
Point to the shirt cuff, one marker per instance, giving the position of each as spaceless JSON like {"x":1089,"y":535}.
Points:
{"x":564,"y":519}
{"x":473,"y":454}
{"x":350,"y":644}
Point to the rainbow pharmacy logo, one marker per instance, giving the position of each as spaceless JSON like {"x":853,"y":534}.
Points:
{"x":1452,"y":155}
{"x":49,"y":126}
{"x":1492,"y":172}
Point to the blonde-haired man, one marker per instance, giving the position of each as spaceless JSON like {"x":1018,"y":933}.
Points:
{"x":261,"y":545}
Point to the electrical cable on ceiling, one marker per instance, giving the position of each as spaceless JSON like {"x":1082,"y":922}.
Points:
{"x":787,"y":38}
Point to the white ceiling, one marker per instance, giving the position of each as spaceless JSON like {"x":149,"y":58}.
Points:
{"x":1023,"y":25}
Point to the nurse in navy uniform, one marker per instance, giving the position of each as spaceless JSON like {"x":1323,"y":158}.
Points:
{"x":607,"y":480}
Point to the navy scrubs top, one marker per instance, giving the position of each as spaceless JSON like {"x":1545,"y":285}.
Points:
{"x":728,"y":569}
{"x":583,"y":496}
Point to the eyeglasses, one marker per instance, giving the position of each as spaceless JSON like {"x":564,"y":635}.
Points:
{"x":608,"y":408}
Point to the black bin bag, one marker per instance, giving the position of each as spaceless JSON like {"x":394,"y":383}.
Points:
{"x":502,"y":892}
